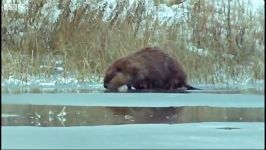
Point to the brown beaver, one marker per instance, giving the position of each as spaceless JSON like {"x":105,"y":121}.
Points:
{"x":148,"y":68}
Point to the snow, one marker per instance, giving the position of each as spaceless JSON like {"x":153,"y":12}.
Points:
{"x":55,"y":81}
{"x":257,"y":4}
{"x":200,"y":51}
{"x":153,"y":136}
{"x":164,"y":12}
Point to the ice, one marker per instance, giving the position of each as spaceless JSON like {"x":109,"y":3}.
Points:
{"x":9,"y":115}
{"x":137,"y":99}
{"x":214,"y":135}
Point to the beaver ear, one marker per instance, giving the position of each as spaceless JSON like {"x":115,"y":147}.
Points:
{"x":118,"y":69}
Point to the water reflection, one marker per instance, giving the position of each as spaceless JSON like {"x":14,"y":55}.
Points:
{"x":64,"y":116}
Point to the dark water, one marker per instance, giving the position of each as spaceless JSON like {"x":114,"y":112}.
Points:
{"x":66,"y":116}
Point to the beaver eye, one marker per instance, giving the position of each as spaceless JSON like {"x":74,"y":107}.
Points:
{"x":118,"y":69}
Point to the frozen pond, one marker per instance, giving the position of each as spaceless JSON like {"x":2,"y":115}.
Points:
{"x":192,"y":135}
{"x":94,"y":119}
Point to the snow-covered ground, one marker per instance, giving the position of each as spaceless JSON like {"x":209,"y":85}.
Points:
{"x":164,"y":11}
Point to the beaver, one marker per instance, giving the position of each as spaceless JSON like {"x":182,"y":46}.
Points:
{"x":148,"y":68}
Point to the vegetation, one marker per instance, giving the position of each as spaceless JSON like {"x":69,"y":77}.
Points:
{"x":216,"y":41}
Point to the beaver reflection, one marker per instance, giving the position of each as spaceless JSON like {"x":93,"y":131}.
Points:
{"x":82,"y":116}
{"x":147,"y":114}
{"x":51,"y":116}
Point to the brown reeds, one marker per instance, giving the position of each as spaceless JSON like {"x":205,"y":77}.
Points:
{"x":87,"y":42}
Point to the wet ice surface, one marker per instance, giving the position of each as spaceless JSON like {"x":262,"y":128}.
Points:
{"x":89,"y":118}
{"x":136,"y":99}
{"x":191,"y":135}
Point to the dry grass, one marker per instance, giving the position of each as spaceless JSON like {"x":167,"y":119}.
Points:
{"x":87,"y":42}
